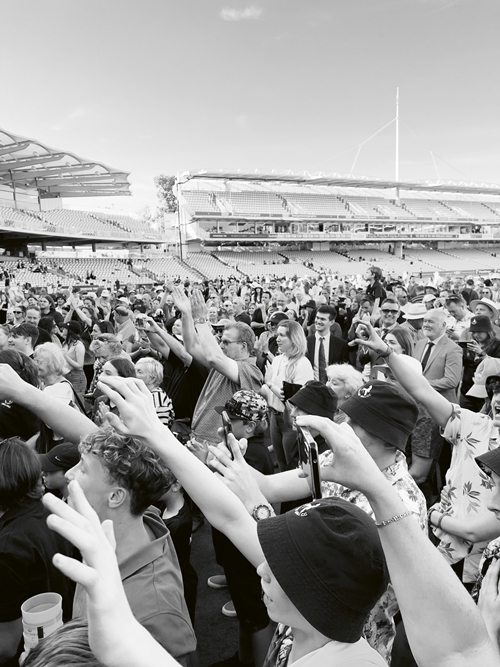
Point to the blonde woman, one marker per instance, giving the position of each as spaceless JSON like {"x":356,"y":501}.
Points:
{"x":291,"y":365}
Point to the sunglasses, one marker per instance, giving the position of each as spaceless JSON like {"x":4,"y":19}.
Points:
{"x":389,"y":310}
{"x":17,"y":312}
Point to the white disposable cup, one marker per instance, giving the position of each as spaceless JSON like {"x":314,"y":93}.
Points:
{"x":42,"y":615}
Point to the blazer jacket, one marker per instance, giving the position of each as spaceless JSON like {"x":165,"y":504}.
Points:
{"x":444,"y":368}
{"x":338,"y":350}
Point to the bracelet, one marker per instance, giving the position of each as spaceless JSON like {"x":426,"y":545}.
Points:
{"x":440,"y":520}
{"x":387,"y":353}
{"x":393,"y":519}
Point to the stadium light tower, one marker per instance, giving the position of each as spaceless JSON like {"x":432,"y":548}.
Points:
{"x":397,"y":142}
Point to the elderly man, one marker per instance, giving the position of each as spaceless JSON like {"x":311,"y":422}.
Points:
{"x":240,"y":315}
{"x":441,"y":361}
{"x":440,"y":357}
{"x":125,"y":330}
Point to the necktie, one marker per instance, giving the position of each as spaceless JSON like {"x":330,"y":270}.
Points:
{"x":427,"y":354}
{"x":321,"y":361}
{"x":384,"y":333}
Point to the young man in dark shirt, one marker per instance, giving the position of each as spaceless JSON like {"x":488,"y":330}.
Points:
{"x":375,"y":289}
{"x":248,"y":414}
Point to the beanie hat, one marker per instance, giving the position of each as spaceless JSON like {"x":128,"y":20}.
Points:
{"x":316,"y":398}
{"x":327,"y":557}
{"x":384,"y":410}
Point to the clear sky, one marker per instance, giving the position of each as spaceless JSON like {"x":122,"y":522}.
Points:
{"x":157,"y":86}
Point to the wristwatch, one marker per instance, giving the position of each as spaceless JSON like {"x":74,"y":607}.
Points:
{"x":262,"y":511}
{"x":200,"y":320}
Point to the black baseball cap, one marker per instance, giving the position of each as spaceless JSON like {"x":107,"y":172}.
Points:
{"x":60,"y":457}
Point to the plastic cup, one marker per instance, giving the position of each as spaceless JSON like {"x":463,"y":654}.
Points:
{"x":42,"y":615}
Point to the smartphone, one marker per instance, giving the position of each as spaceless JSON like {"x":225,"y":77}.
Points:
{"x":463,"y":344}
{"x":228,"y":428}
{"x":309,"y":460}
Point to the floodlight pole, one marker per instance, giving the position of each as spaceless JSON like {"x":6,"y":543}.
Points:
{"x":397,"y":142}
{"x":178,"y":187}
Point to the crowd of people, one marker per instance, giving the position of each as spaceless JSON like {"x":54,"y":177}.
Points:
{"x":130,"y":417}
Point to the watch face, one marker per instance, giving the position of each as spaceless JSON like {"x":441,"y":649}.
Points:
{"x":262,"y":512}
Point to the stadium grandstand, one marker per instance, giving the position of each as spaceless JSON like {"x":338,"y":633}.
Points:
{"x":234,"y":224}
{"x":299,"y":224}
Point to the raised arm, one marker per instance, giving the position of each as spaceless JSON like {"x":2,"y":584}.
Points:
{"x":191,"y":340}
{"x":443,"y":626}
{"x":213,"y":355}
{"x":63,"y":419}
{"x":221,"y":507}
{"x":163,"y":342}
{"x":439,"y":408}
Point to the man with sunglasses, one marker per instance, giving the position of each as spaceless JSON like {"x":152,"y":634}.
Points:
{"x":18,"y":314}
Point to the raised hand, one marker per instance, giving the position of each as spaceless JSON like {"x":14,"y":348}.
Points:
{"x":489,"y":601}
{"x":235,"y":472}
{"x":133,"y":399}
{"x":181,"y":301}
{"x":198,"y":305}
{"x":352,"y":466}
{"x":367,"y":336}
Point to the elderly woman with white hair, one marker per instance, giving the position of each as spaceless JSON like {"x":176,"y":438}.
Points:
{"x":345,"y":382}
{"x":150,"y":371}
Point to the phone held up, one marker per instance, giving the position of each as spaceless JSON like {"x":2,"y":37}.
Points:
{"x":228,"y":428}
{"x":309,"y":460}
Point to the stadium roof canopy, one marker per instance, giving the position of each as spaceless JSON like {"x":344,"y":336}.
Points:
{"x":347,"y":180}
{"x":28,"y":164}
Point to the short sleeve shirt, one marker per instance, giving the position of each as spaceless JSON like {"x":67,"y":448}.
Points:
{"x":217,"y":390}
{"x":467,"y":488}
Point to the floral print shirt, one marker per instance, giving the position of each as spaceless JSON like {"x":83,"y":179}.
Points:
{"x":467,"y":488}
{"x":380,"y":629}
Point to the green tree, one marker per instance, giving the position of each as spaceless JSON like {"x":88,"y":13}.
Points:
{"x":165,"y":192}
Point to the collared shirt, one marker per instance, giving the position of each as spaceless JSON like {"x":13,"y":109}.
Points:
{"x":216,"y":391}
{"x":326,"y":344}
{"x":380,"y":630}
{"x":433,"y":347}
{"x":467,"y":488}
{"x":152,"y":582}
